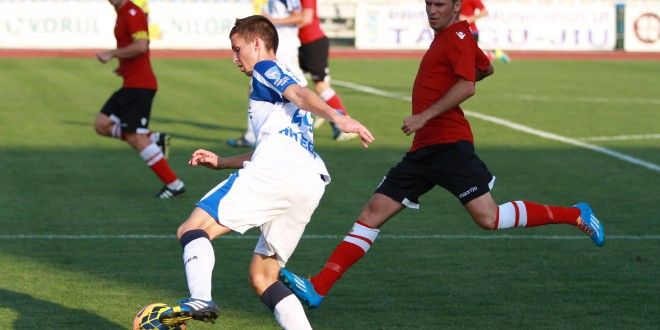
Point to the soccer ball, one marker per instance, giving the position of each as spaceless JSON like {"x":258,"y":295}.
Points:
{"x":147,"y":318}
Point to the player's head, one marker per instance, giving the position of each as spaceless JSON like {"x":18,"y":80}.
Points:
{"x":253,"y":39}
{"x":256,"y":26}
{"x":442,"y":13}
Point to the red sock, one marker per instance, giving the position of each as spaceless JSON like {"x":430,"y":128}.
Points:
{"x":332,"y":99}
{"x":154,"y":158}
{"x":528,"y":214}
{"x":538,"y":215}
{"x":354,"y":246}
{"x":164,"y":172}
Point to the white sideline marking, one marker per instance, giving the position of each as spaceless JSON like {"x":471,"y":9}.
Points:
{"x":621,"y":137}
{"x":336,"y":237}
{"x":584,"y":99}
{"x":518,"y":127}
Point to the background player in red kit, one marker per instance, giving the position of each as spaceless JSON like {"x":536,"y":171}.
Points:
{"x":127,"y":113}
{"x":442,"y":154}
{"x":472,"y":11}
{"x":313,"y":56}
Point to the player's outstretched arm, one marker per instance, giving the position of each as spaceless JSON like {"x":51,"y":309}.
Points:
{"x":304,"y":98}
{"x":211,"y":160}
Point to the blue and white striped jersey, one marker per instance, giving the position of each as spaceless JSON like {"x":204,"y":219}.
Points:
{"x":280,"y":127}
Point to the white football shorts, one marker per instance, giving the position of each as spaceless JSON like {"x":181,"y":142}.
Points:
{"x":279,"y":198}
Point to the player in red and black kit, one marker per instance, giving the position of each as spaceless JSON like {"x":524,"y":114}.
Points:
{"x":313,"y":57}
{"x":127,"y":113}
{"x":442,"y":154}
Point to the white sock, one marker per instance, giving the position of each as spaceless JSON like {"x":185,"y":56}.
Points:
{"x":199,"y":259}
{"x":290,"y":314}
{"x":512,"y":214}
{"x":176,"y":185}
{"x":249,"y":134}
{"x":151,"y":154}
{"x":327,"y":94}
{"x":115,"y":131}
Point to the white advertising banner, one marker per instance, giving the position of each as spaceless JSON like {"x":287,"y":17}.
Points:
{"x":510,"y":27}
{"x":571,"y":27}
{"x":90,"y":24}
{"x":392,"y":26}
{"x":51,"y":25}
{"x":642,"y":28}
{"x":196,"y":25}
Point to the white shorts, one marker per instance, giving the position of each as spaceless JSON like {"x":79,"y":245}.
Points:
{"x":278,"y":198}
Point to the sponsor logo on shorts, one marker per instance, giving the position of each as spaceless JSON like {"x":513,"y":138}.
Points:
{"x":469,"y":191}
{"x":189,"y":260}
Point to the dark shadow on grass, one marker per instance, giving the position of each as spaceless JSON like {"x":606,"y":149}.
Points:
{"x":219,"y":130}
{"x":33,"y":312}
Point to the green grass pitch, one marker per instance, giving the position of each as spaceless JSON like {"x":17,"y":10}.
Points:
{"x":83,"y":246}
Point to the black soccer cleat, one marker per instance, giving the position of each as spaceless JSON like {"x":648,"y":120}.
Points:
{"x":167,"y":193}
{"x":189,"y":308}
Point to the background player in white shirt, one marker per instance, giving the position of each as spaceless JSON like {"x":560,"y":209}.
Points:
{"x":277,"y":187}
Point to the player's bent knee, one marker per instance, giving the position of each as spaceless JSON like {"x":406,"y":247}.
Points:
{"x":101,"y":130}
{"x":486,"y":222}
{"x":179,"y":232}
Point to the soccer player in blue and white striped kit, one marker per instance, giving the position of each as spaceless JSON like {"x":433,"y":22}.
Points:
{"x":277,"y":186}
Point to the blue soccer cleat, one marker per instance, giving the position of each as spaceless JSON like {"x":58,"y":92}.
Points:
{"x":588,"y":223}
{"x":502,"y":56}
{"x":189,"y":308}
{"x":241,"y":142}
{"x":302,"y":288}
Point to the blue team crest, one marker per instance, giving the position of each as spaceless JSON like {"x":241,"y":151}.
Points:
{"x":273,"y":73}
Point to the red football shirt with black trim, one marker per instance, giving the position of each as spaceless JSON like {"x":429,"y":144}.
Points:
{"x":312,"y":31}
{"x":132,"y":25}
{"x":453,"y":53}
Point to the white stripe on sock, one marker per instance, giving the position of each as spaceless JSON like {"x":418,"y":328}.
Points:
{"x":522,"y":214}
{"x":151,"y":154}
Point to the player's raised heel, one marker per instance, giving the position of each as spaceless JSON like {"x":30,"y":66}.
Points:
{"x":302,"y":288}
{"x":588,"y":223}
{"x":162,"y":140}
{"x":318,"y":122}
{"x":189,"y":308}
